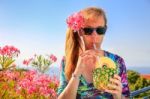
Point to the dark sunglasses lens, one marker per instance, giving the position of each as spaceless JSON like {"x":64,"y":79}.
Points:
{"x":88,"y":31}
{"x":101,"y":31}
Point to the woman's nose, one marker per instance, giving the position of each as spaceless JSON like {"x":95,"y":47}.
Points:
{"x":94,"y":33}
{"x":94,"y":36}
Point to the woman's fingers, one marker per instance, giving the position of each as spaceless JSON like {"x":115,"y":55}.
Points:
{"x":88,"y":55}
{"x":115,"y":81}
{"x":115,"y":85}
{"x":88,"y":52}
{"x":89,"y":58}
{"x":117,"y":77}
{"x":111,"y":91}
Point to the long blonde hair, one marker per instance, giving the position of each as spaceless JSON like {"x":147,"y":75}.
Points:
{"x":73,"y":41}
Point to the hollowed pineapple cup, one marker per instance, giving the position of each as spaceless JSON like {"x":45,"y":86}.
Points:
{"x":105,"y":69}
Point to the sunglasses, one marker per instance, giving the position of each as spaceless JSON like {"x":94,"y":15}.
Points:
{"x":99,"y":30}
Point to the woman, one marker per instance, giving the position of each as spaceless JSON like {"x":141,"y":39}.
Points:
{"x":84,"y":37}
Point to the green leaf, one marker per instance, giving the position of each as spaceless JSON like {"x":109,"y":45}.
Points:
{"x":7,"y":63}
{"x":4,"y":94}
{"x":11,"y":84}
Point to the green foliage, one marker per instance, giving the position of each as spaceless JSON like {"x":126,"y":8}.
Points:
{"x":133,"y":76}
{"x":7,"y":57}
{"x":137,"y":82}
{"x":9,"y":85}
{"x":6,"y":62}
{"x":42,"y":63}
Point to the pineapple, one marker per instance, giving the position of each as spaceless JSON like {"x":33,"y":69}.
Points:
{"x":105,"y":69}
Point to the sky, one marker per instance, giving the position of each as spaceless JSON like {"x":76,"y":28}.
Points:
{"x":39,"y":27}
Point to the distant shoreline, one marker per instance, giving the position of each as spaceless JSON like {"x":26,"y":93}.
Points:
{"x":54,"y":70}
{"x":141,"y":70}
{"x":146,"y":76}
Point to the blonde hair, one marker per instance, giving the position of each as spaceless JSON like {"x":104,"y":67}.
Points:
{"x":73,"y":41}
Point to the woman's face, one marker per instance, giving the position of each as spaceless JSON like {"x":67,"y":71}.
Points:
{"x":94,"y":38}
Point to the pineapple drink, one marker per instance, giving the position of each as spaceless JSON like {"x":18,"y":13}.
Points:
{"x":105,"y":69}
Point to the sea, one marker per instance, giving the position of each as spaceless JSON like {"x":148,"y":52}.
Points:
{"x":54,"y":70}
{"x":140,"y":69}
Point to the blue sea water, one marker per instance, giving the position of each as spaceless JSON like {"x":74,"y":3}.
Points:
{"x":54,"y":70}
{"x":140,"y":69}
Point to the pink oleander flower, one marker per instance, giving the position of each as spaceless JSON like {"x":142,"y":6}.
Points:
{"x":7,"y":56}
{"x":28,"y":84}
{"x":53,"y":58}
{"x":41,"y":62}
{"x":75,"y":21}
{"x":11,"y":75}
{"x":28,"y":61}
{"x":33,"y":82}
{"x":9,"y":51}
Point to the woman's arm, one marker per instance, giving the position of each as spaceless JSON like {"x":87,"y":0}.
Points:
{"x":70,"y":91}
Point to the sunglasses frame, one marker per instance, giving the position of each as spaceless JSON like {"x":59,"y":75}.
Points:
{"x":90,"y":30}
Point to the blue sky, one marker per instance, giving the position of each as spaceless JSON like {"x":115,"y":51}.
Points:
{"x":38,"y":26}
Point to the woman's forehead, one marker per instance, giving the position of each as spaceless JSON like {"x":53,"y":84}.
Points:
{"x":94,"y":21}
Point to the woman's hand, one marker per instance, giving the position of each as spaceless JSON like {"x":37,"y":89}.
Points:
{"x":86,"y":59}
{"x":116,"y":85}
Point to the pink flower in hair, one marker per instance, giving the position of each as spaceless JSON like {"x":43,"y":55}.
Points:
{"x":75,"y":21}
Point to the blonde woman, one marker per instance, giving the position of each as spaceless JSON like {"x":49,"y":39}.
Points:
{"x":85,"y":33}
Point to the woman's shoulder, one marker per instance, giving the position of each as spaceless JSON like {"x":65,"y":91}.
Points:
{"x":62,"y":65}
{"x":113,"y":56}
{"x":119,"y":62}
{"x":63,"y":58}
